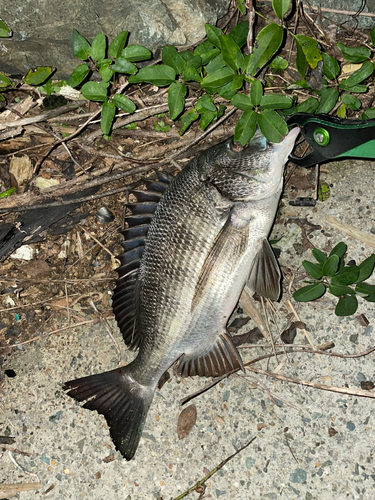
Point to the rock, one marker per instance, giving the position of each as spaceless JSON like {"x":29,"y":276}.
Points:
{"x":42,"y":33}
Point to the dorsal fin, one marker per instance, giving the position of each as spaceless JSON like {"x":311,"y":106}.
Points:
{"x":138,"y":221}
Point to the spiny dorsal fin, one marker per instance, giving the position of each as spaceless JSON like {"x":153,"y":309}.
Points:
{"x":265,"y":275}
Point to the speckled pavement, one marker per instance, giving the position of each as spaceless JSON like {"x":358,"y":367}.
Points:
{"x":310,"y":444}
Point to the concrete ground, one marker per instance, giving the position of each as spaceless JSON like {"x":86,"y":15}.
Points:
{"x":310,"y":444}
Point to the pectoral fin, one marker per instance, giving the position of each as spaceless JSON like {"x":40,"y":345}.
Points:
{"x":265,"y":275}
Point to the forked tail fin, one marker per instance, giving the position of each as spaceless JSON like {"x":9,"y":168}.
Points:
{"x":123,"y":402}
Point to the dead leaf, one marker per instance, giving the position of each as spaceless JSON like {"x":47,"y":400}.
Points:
{"x":186,"y":421}
{"x":219,"y":419}
{"x":20,"y":170}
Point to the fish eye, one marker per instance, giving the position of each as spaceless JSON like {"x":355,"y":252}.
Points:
{"x":236,"y":147}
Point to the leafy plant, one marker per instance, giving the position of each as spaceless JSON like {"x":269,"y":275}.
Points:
{"x":330,"y":273}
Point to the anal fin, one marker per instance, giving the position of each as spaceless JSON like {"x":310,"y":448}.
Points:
{"x":265,"y":275}
{"x":222,"y":358}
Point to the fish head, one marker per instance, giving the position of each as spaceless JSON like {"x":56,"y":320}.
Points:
{"x":253,"y":172}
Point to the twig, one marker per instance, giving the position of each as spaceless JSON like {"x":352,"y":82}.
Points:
{"x":200,"y":484}
{"x":97,"y":241}
{"x":14,"y":450}
{"x":351,"y":231}
{"x":106,"y":326}
{"x":303,"y":329}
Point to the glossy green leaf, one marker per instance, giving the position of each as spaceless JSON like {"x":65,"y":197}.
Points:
{"x":328,"y":100}
{"x":279,"y":63}
{"x":314,"y":270}
{"x":190,"y":74}
{"x":78,"y":75}
{"x":372,"y":36}
{"x":360,"y":74}
{"x":187,"y":120}
{"x":272,"y":125}
{"x":160,"y":75}
{"x":206,"y":51}
{"x":309,"y":292}
{"x":122,"y":65}
{"x":5,"y":32}
{"x":256,"y":92}
{"x":2,"y":98}
{"x":346,"y":276}
{"x":176,"y":99}
{"x":4,"y":81}
{"x":308,"y":53}
{"x":136,"y":53}
{"x":213,"y":35}
{"x":346,"y":305}
{"x":268,"y":42}
{"x":38,"y":75}
{"x":339,"y":249}
{"x":331,"y":67}
{"x":191,"y":59}
{"x":228,"y":90}
{"x":338,"y":290}
{"x":276,"y":101}
{"x":117,"y":45}
{"x":341,"y":111}
{"x":354,"y":54}
{"x":366,"y":267}
{"x":319,"y":255}
{"x":216,"y":64}
{"x":124,"y":103}
{"x":218,"y":78}
{"x":172,"y":58}
{"x":107,"y":116}
{"x":242,"y":101}
{"x":81,"y":47}
{"x":206,"y":118}
{"x":237,"y":81}
{"x":98,"y":46}
{"x":241,"y":6}
{"x":358,"y":89}
{"x":366,"y":291}
{"x":231,"y":52}
{"x":208,"y":56}
{"x":239,"y":33}
{"x":309,"y":106}
{"x":95,"y":91}
{"x":331,"y":265}
{"x":106,"y":72}
{"x":351,"y":101}
{"x":205,"y":102}
{"x":369,"y":114}
{"x":245,"y":127}
{"x":281,"y":7}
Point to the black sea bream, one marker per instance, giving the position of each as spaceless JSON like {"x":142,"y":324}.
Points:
{"x":188,"y":253}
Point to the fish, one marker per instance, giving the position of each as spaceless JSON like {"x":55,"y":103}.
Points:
{"x":191,"y":244}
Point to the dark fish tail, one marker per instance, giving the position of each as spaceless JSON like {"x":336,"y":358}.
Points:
{"x":123,"y":402}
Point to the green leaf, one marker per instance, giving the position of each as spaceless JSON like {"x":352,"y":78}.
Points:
{"x":206,"y":51}
{"x":239,"y":33}
{"x":358,"y":89}
{"x":190,"y":74}
{"x":98,"y":46}
{"x":366,"y":267}
{"x":206,"y":118}
{"x":272,"y":125}
{"x":161,"y":127}
{"x":176,"y":99}
{"x":237,"y":81}
{"x":218,"y":78}
{"x":241,"y":6}
{"x":354,"y":54}
{"x":95,"y":91}
{"x":2,"y":99}
{"x":172,"y":58}
{"x":208,"y":56}
{"x":372,"y":36}
{"x":191,"y":59}
{"x":213,"y":35}
{"x":108,"y":114}
{"x":205,"y":102}
{"x":369,"y":114}
{"x":78,"y":75}
{"x":228,"y":90}
{"x":136,"y":53}
{"x":328,"y":100}
{"x":4,"y":81}
{"x":346,"y":276}
{"x":366,"y":291}
{"x":5,"y":32}
{"x":319,"y":255}
{"x":245,"y":127}
{"x":308,"y":53}
{"x":160,"y":75}
{"x":339,"y":249}
{"x":256,"y":92}
{"x":351,"y":102}
{"x":231,"y":52}
{"x":187,"y":120}
{"x":117,"y":45}
{"x":341,"y":111}
{"x":309,"y":106}
{"x":38,"y":75}
{"x":242,"y":101}
{"x":338,"y":290}
{"x":122,"y":65}
{"x":216,"y":64}
{"x":106,"y":72}
{"x":346,"y":305}
{"x":331,"y":67}
{"x":279,"y":63}
{"x":124,"y":103}
{"x":281,"y":7}
{"x":361,"y":74}
{"x":309,"y":292}
{"x":81,"y":47}
{"x":331,"y":265}
{"x":314,"y":270}
{"x":276,"y":101}
{"x":268,"y":42}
